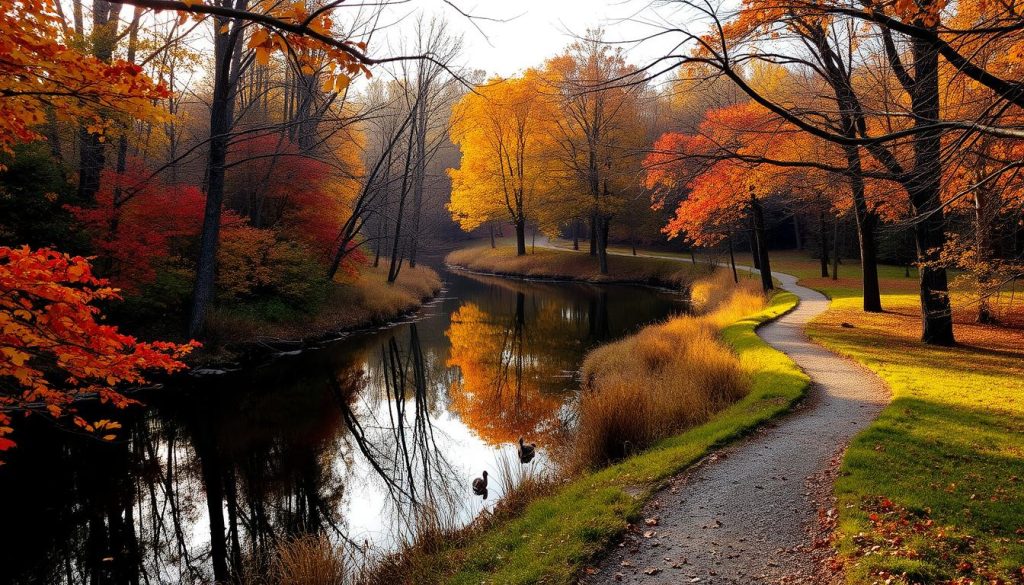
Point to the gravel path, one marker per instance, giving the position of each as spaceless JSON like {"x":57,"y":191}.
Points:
{"x":759,"y":511}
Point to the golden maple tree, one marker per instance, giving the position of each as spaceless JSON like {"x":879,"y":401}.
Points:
{"x":505,"y":130}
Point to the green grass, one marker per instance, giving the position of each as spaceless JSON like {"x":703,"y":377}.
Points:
{"x":935,"y":482}
{"x":555,"y":536}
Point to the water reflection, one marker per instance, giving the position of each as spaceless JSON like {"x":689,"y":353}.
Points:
{"x":366,"y":441}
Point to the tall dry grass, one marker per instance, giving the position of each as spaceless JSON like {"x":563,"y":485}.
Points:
{"x":352,"y":302}
{"x":311,"y":559}
{"x":664,"y":379}
{"x":569,"y":265}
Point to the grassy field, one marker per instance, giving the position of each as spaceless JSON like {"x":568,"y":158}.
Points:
{"x":931,"y":492}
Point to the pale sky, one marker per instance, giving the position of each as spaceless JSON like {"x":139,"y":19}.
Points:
{"x":534,"y":30}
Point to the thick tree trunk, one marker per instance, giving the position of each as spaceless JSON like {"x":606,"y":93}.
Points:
{"x":490,"y":229}
{"x":221,"y":114}
{"x":762,"y":245}
{"x":867,"y":221}
{"x":924,"y":187}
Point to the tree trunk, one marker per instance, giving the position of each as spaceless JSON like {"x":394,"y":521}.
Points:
{"x":602,"y":244}
{"x":924,"y":187}
{"x":520,"y":236}
{"x":593,"y":233}
{"x":824,"y":244}
{"x":986,"y":207}
{"x":732,"y":260}
{"x":575,"y":234}
{"x":762,"y":245}
{"x":867,"y":220}
{"x":490,"y":229}
{"x":835,"y":249}
{"x":105,"y":18}
{"x":395,"y":266}
{"x":221,"y":119}
{"x":755,"y":256}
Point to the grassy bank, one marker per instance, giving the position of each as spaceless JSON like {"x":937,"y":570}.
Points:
{"x":570,"y":265}
{"x":551,"y":537}
{"x":673,"y":375}
{"x":557,"y":535}
{"x":931,"y":491}
{"x":357,"y":301}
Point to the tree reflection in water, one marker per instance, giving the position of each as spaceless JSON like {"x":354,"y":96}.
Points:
{"x":199,"y":496}
{"x":396,"y":435}
{"x":376,"y":438}
{"x":508,"y":363}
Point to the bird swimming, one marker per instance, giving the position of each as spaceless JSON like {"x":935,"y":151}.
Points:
{"x":526,"y":451}
{"x":480,"y":485}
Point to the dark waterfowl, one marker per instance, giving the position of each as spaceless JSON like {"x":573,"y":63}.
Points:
{"x":526,"y":451}
{"x":480,"y":485}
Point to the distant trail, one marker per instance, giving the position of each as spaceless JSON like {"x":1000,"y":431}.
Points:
{"x":750,"y":513}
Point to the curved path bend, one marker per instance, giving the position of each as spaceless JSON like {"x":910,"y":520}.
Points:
{"x":759,"y":511}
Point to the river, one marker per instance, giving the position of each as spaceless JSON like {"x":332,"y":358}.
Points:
{"x":352,"y":439}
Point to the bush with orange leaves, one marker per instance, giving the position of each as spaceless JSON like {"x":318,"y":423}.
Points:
{"x":54,"y":349}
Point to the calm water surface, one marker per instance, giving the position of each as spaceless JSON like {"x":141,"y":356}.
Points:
{"x":352,"y":440}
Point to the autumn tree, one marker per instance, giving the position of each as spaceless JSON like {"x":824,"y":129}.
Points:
{"x":903,"y":136}
{"x":41,"y":77}
{"x":599,"y":130}
{"x":504,"y":129}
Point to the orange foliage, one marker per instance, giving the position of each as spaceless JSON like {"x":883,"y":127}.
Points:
{"x":38,"y":72}
{"x":53,"y":347}
{"x":499,"y":395}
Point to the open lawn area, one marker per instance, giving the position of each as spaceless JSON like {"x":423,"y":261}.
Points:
{"x":932,"y":490}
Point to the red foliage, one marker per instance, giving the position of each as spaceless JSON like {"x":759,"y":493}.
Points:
{"x":154,"y":223}
{"x":277,"y":186}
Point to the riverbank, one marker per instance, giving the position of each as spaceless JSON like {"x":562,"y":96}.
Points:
{"x":556,"y":264}
{"x":553,"y":536}
{"x":365,"y":300}
{"x":929,"y":492}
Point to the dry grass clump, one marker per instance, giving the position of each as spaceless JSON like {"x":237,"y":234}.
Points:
{"x":569,"y":265}
{"x":351,"y":303}
{"x":311,"y":559}
{"x":722,"y":302}
{"x":662,"y":380}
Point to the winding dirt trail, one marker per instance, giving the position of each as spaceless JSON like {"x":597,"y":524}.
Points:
{"x":750,"y":513}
